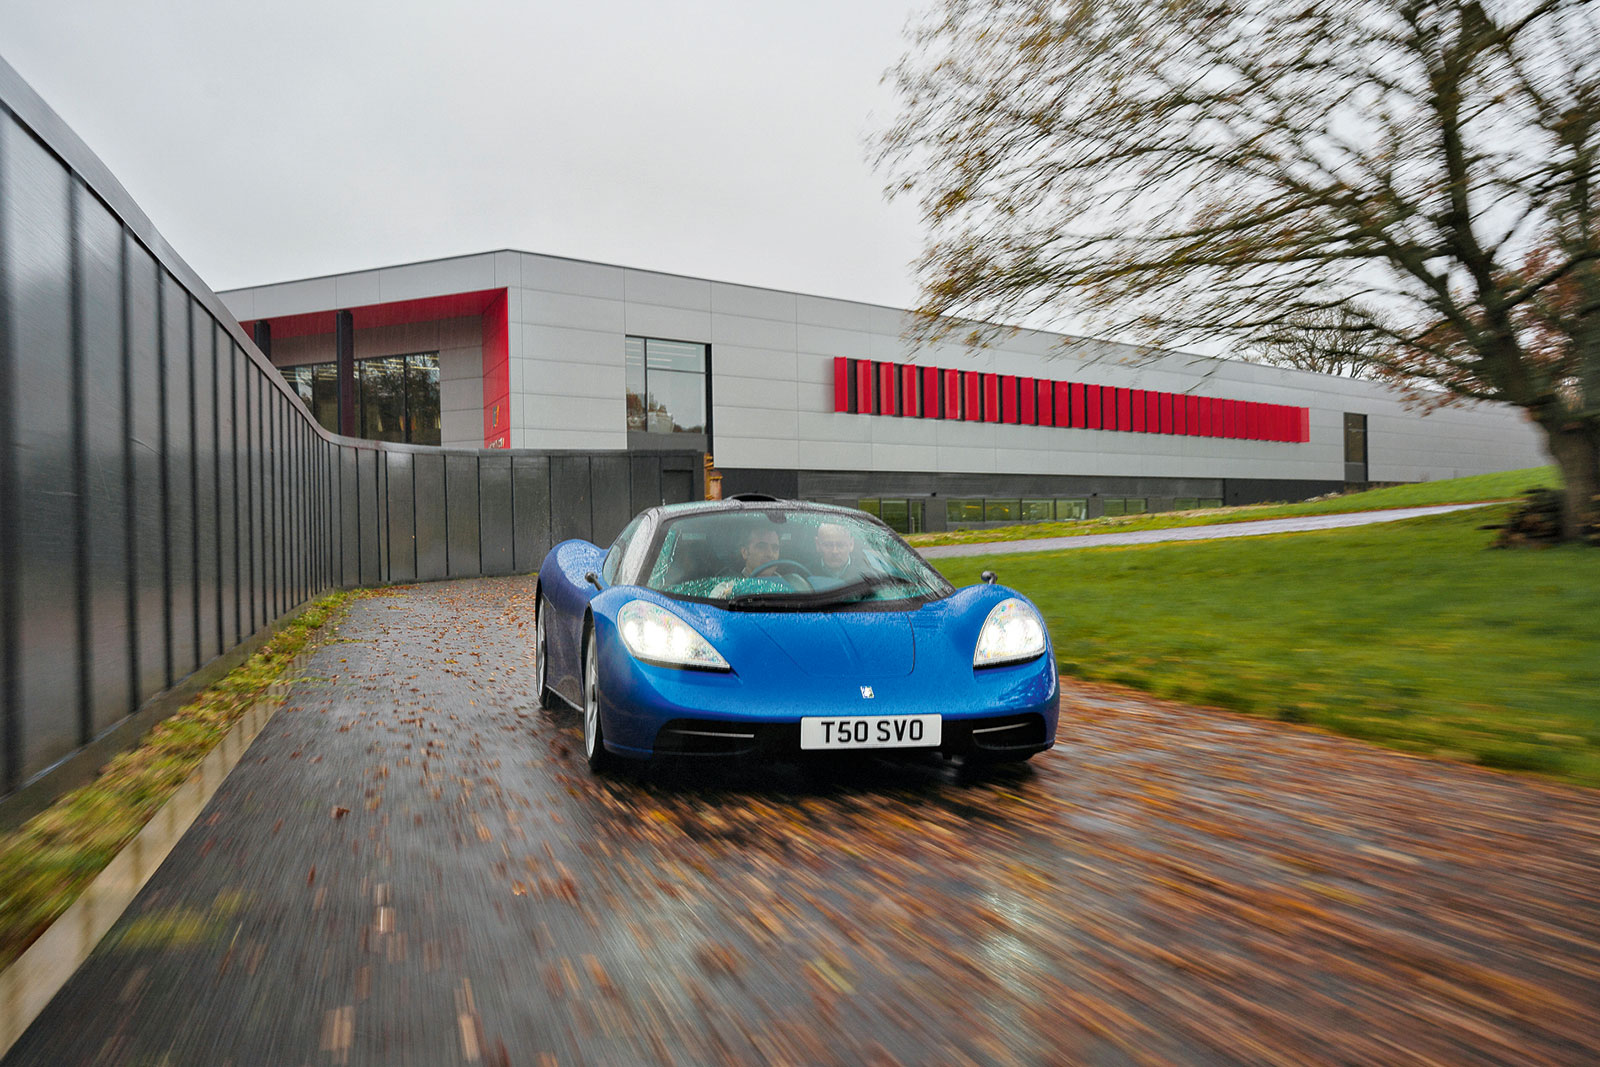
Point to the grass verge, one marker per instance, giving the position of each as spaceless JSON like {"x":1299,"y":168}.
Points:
{"x":47,"y":862}
{"x":1502,"y":485}
{"x":1411,"y":634}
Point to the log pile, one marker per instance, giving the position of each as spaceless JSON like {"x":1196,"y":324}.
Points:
{"x":1537,"y":521}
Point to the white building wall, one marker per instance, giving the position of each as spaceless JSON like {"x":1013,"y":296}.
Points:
{"x":772,"y":357}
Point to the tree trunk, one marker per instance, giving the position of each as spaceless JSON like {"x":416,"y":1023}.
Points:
{"x":1575,"y":447}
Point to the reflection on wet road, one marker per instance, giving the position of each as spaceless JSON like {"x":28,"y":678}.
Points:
{"x":413,"y":866}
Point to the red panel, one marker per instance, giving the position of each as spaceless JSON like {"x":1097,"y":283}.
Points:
{"x":1208,"y":418}
{"x":1008,"y":398}
{"x":931,"y":409}
{"x":1181,"y":407}
{"x":888,"y":402}
{"x":991,"y":397}
{"x":1028,"y":393}
{"x":496,"y":374}
{"x":1305,"y":424}
{"x":1079,"y":414}
{"x":1124,"y":409}
{"x":1275,"y":425}
{"x":1108,"y":406}
{"x":841,"y":384}
{"x":1152,"y":411}
{"x":1191,"y":419}
{"x":952,"y":394}
{"x":1093,"y":408}
{"x":1252,"y":420}
{"x":396,"y":313}
{"x":1235,"y":420}
{"x":1165,"y":400}
{"x":864,"y":404}
{"x":909,"y":404}
{"x":972,"y":401}
{"x":1046,"y":407}
{"x":1137,"y":410}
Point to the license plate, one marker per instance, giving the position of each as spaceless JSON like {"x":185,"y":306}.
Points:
{"x":870,"y":731}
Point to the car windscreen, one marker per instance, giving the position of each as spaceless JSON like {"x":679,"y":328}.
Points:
{"x":785,"y":559}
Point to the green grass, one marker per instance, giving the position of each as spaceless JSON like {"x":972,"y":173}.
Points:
{"x":46,"y":863}
{"x":1479,"y":487}
{"x":1412,"y":634}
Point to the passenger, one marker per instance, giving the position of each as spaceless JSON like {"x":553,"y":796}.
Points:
{"x":836,"y":548}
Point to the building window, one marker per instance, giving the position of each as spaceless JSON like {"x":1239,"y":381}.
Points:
{"x":1119,"y":505}
{"x":318,"y":385}
{"x":397,"y":397}
{"x":902,"y":516}
{"x":666,"y":383}
{"x":1000,"y":510}
{"x":964,"y":511}
{"x":1072,"y":510}
{"x":1038,"y":510}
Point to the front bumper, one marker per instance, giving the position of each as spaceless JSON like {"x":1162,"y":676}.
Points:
{"x":1000,"y":712}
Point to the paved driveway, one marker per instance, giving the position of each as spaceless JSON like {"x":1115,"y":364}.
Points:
{"x":412,"y":866}
{"x":1193,"y":533}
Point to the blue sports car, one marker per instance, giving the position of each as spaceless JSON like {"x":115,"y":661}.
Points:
{"x":784,"y":629}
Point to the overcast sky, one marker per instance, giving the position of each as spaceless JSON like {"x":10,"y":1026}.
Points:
{"x":279,"y":140}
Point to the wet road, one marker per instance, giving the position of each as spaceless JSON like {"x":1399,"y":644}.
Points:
{"x":1255,"y":528}
{"x":412,"y":866}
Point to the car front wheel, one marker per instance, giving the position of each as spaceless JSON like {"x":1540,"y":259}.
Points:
{"x":541,"y":654}
{"x":594,"y":741}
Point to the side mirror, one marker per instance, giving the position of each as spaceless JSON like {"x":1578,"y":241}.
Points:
{"x":989,"y":577}
{"x":592,"y":578}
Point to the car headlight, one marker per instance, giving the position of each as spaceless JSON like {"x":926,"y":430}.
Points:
{"x":656,"y":635}
{"x":1013,"y":632}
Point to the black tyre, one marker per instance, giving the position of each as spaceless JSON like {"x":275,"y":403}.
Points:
{"x":541,"y":653}
{"x":594,"y":739}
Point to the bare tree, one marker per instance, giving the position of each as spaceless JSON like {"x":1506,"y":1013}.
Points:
{"x":1192,"y":170}
{"x":1327,"y":341}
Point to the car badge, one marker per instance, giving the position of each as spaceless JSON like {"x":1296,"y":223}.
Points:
{"x":867,"y":693}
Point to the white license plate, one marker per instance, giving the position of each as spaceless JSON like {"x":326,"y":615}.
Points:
{"x":870,"y":731}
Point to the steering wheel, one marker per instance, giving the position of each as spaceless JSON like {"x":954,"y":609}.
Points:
{"x":785,"y":566}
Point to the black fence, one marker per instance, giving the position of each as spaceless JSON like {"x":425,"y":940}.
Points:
{"x":165,"y":498}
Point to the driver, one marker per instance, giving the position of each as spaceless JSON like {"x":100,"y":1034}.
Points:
{"x":836,"y":547}
{"x":761,"y":547}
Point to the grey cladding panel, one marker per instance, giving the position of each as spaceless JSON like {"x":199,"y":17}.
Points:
{"x":37,"y":255}
{"x":570,"y":496}
{"x":494,"y":513}
{"x":402,"y":518}
{"x":530,"y":498}
{"x":429,"y":469}
{"x":461,"y":504}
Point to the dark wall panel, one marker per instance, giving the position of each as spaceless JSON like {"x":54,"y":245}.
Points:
{"x":429,"y":472}
{"x":461,"y":514}
{"x":227,"y":494}
{"x":349,"y":528}
{"x":207,"y":578}
{"x":381,"y":485}
{"x":495,"y":512}
{"x":38,"y":314}
{"x":367,"y":515}
{"x":105,"y":481}
{"x":530,"y":500}
{"x":570,"y":497}
{"x":178,"y":376}
{"x":402,"y":518}
{"x":147,"y":551}
{"x":644,"y":483}
{"x":612,"y":506}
